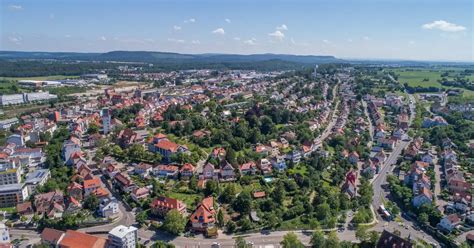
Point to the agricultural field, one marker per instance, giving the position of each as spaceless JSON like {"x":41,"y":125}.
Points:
{"x":429,"y":78}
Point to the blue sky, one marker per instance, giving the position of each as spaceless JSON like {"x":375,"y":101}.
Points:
{"x":390,"y":29}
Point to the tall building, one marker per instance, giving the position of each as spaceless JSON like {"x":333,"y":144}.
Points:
{"x":123,"y":237}
{"x":106,"y":120}
{"x":4,"y":234}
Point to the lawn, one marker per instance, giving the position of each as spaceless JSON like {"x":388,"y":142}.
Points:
{"x":298,"y":169}
{"x":189,"y":199}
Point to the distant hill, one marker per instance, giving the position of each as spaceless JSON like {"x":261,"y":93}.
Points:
{"x":165,"y":57}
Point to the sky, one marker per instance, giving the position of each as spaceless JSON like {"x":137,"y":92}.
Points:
{"x":361,"y":29}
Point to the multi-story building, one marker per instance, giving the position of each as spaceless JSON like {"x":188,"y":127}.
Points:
{"x":4,"y":235}
{"x":123,"y":237}
{"x":106,"y":120}
{"x":36,"y":178}
{"x":12,"y":194}
{"x":9,"y":173}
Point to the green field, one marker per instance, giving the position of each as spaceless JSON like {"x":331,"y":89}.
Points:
{"x":56,"y":77}
{"x":429,"y":78}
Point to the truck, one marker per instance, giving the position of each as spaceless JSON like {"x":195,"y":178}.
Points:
{"x":384,"y":212}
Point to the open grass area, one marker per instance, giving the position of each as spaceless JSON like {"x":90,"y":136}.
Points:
{"x":189,"y":199}
{"x":429,"y":78}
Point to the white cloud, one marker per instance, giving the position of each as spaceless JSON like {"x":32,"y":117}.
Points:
{"x":326,"y":41}
{"x":349,"y":40}
{"x":227,"y":20}
{"x":15,"y":39}
{"x":237,"y":38}
{"x":15,"y":7}
{"x":175,"y":40}
{"x":176,"y":28}
{"x":67,"y":36}
{"x":282,"y":27}
{"x":195,"y":42}
{"x":219,"y":31}
{"x":190,"y":20}
{"x":277,"y":35}
{"x":412,"y":42}
{"x":366,"y":38}
{"x":444,"y":26}
{"x":251,"y":42}
{"x":102,"y":38}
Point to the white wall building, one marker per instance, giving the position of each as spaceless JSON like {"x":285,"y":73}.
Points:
{"x":4,"y":234}
{"x":123,"y":237}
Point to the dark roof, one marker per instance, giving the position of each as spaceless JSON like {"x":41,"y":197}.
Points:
{"x":51,"y":235}
{"x":390,"y":240}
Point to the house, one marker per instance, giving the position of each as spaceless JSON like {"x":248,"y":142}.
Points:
{"x":70,"y":147}
{"x":51,"y":237}
{"x":124,"y":183}
{"x":388,"y":239}
{"x":248,"y":168}
{"x":349,"y":186}
{"x":433,"y":122}
{"x":380,"y":157}
{"x":265,"y":166}
{"x":218,"y":153}
{"x":162,"y":205}
{"x":108,"y":207}
{"x":73,"y":205}
{"x":75,"y":239}
{"x":160,"y":144}
{"x":51,"y":204}
{"x":279,"y":163}
{"x":24,"y":208}
{"x":295,"y":156}
{"x":203,"y":217}
{"x":259,"y":194}
{"x":75,"y":190}
{"x":354,"y":157}
{"x":166,"y":171}
{"x":209,"y":172}
{"x":139,"y":194}
{"x":126,"y":137}
{"x":143,"y":169}
{"x":449,"y":222}
{"x":424,"y":197}
{"x":91,"y":185}
{"x":4,"y":236}
{"x":227,"y":172}
{"x":456,"y":185}
{"x":186,"y":171}
{"x":428,"y":158}
{"x":122,"y":236}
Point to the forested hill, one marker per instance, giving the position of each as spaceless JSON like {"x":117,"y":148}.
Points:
{"x":165,"y":57}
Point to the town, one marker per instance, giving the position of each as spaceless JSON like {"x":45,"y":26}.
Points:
{"x":234,"y":157}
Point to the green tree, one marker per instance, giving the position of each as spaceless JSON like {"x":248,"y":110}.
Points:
{"x":212,"y":188}
{"x":361,"y":233}
{"x":91,"y":202}
{"x":230,"y":226}
{"x":332,"y":240}
{"x":241,"y":243}
{"x":317,"y":239}
{"x":290,"y":240}
{"x":220,"y":218}
{"x":174,"y":222}
{"x":243,"y":203}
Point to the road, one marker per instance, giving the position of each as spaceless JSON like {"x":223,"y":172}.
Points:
{"x":369,"y":122}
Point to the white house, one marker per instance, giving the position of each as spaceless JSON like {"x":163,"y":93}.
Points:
{"x":109,"y":207}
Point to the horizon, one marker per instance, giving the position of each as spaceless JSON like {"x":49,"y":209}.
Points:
{"x":379,"y":30}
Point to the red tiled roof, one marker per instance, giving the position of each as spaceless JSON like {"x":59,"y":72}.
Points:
{"x":167,"y":145}
{"x":205,"y":212}
{"x":51,"y":235}
{"x":92,"y":183}
{"x":75,"y":239}
{"x":166,"y":202}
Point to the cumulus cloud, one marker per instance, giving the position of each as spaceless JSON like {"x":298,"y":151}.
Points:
{"x":15,"y":7}
{"x":15,"y":39}
{"x":195,"y":42}
{"x":227,"y":20}
{"x":190,"y":20}
{"x":444,"y":26}
{"x":103,"y":38}
{"x":282,"y":27}
{"x":176,"y":28}
{"x":176,"y":41}
{"x":219,"y":31}
{"x":251,"y":42}
{"x":277,"y":35}
{"x":67,"y":36}
{"x":366,"y":38}
{"x":237,"y":38}
{"x":326,"y":41}
{"x":349,"y":40}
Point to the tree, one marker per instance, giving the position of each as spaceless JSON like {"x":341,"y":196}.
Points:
{"x":93,"y":128}
{"x":332,"y":240}
{"x":141,"y":217}
{"x":228,"y":194}
{"x":243,"y":203}
{"x":220,"y":218}
{"x":361,"y":233}
{"x":290,"y":240}
{"x":423,"y":218}
{"x":241,"y":243}
{"x":174,"y":222}
{"x":162,"y":244}
{"x":318,"y":240}
{"x":212,"y":188}
{"x":230,"y":226}
{"x":91,"y":202}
